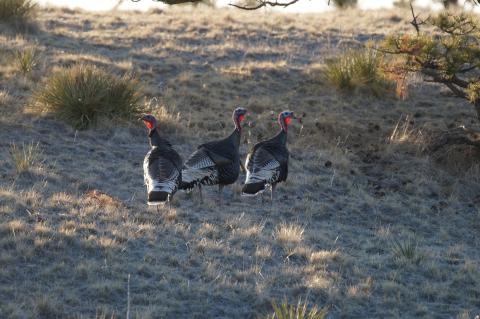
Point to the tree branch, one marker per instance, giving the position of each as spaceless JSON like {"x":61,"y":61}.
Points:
{"x":171,"y":2}
{"x":415,"y":22}
{"x":448,"y":82}
{"x":262,"y":3}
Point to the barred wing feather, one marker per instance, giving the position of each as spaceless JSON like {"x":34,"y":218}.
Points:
{"x":262,"y":166}
{"x":199,"y":168}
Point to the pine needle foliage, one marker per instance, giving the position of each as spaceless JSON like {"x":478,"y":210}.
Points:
{"x":450,"y":55}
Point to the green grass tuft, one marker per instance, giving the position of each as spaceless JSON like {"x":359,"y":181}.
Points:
{"x":26,"y":60}
{"x":16,"y":12}
{"x":83,"y":94}
{"x":406,"y":251}
{"x":24,"y":157}
{"x":298,"y":311}
{"x":357,"y":70}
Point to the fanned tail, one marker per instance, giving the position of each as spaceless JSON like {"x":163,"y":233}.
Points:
{"x":157,"y":197}
{"x":253,"y":189}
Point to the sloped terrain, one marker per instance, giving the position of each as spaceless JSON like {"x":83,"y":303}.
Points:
{"x":367,"y":224}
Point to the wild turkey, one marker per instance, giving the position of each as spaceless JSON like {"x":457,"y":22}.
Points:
{"x":267,"y":162}
{"x":216,"y":162}
{"x":162,"y":166}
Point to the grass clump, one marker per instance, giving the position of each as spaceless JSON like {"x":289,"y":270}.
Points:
{"x":288,"y":234}
{"x":83,"y":94}
{"x":26,"y":60}
{"x":357,"y":70}
{"x":16,"y":12}
{"x":406,"y":251}
{"x":24,"y":157}
{"x":344,"y":3}
{"x":297,"y":311}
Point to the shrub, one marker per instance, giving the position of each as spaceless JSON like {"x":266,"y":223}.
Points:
{"x":16,"y":12}
{"x":344,"y":3}
{"x":357,"y":69}
{"x":83,"y":94}
{"x":406,"y":251}
{"x":26,"y":60}
{"x":24,"y":157}
{"x":298,"y":311}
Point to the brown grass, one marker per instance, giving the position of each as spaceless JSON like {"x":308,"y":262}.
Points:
{"x":75,"y":227}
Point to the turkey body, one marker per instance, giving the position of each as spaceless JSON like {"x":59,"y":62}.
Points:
{"x":213,"y":163}
{"x":162,"y":168}
{"x":266,"y":164}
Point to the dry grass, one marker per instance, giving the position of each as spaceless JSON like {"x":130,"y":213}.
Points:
{"x":25,"y":156}
{"x":75,"y":228}
{"x":358,"y":70}
{"x":288,"y":234}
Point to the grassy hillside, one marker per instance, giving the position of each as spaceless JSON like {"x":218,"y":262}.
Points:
{"x":367,"y":224}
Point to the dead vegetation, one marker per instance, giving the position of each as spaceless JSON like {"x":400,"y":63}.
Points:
{"x":366,"y":226}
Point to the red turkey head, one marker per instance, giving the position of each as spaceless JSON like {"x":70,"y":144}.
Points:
{"x":239,"y":116}
{"x":149,"y":121}
{"x":284,"y":119}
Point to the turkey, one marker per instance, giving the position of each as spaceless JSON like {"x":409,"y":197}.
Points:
{"x":267,"y":162}
{"x":217,"y":162}
{"x":162,"y":166}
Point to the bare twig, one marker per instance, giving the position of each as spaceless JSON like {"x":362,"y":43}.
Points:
{"x":262,"y":3}
{"x":172,"y":1}
{"x":415,"y":22}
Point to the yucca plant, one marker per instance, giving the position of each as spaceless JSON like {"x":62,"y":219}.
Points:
{"x":84,"y":94}
{"x":26,"y":60}
{"x":296,"y":311}
{"x":16,"y":11}
{"x":25,"y":156}
{"x":406,"y":250}
{"x":357,"y":70}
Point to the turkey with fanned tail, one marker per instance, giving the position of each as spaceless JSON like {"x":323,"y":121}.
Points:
{"x":217,"y":162}
{"x":162,"y":166}
{"x":267,"y":162}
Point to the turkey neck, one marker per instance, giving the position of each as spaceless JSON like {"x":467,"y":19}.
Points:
{"x":281,"y":137}
{"x":155,"y":139}
{"x":235,"y":137}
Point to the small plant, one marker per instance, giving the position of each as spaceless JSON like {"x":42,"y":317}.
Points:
{"x":5,"y":98}
{"x":288,"y":234}
{"x":26,"y":60}
{"x":344,"y":3}
{"x":24,"y":157}
{"x":17,"y":12}
{"x":84,"y":94}
{"x":357,"y":69}
{"x":298,"y":311}
{"x":406,"y":250}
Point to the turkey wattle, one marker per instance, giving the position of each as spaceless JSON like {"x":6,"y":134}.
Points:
{"x":267,"y":162}
{"x":162,"y":166}
{"x":217,"y":162}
